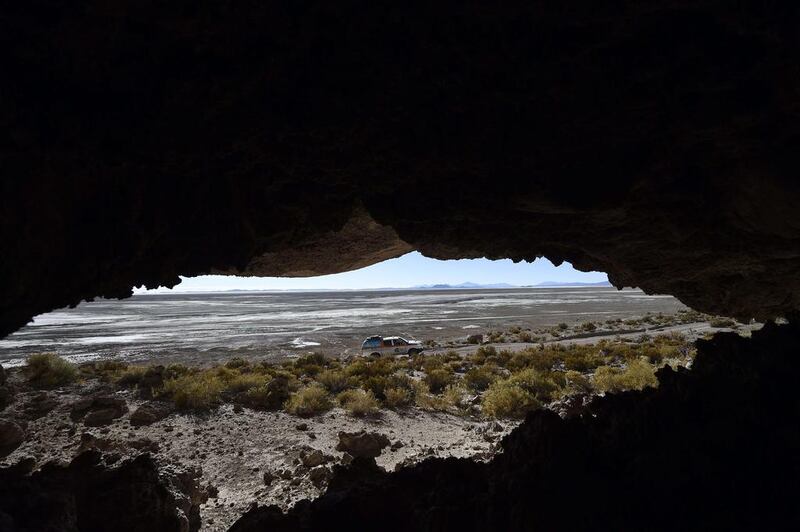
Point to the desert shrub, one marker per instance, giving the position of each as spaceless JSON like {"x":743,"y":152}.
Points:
{"x":453,"y":396}
{"x":588,"y":326}
{"x":525,"y":337}
{"x":636,"y":376}
{"x":431,"y":363}
{"x":483,"y":353}
{"x":237,"y":363}
{"x":720,"y":322}
{"x":478,"y":379}
{"x":130,"y":376}
{"x":540,"y":385}
{"x":426,"y":400}
{"x":577,"y":382}
{"x":438,"y":379}
{"x":105,"y":370}
{"x":540,"y":359}
{"x":312,"y":359}
{"x":173,"y":371}
{"x":495,"y":336}
{"x":309,"y":401}
{"x":451,"y":356}
{"x":359,"y":402}
{"x":334,"y":380}
{"x":376,"y":386}
{"x":270,"y":396}
{"x":197,"y":391}
{"x":562,"y":326}
{"x":243,"y":382}
{"x":47,"y":370}
{"x":505,"y":399}
{"x":370,"y":368}
{"x":397,"y":397}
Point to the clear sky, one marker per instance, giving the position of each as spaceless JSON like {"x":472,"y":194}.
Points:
{"x":412,"y":269}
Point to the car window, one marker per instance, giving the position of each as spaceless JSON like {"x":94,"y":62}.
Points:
{"x":387,"y":343}
{"x":400,"y":342}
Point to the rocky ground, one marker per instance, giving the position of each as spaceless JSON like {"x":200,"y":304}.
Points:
{"x":235,"y":457}
{"x":242,"y":456}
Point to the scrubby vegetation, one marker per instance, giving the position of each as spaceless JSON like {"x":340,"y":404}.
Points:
{"x":309,"y":401}
{"x":48,"y":370}
{"x":490,"y":382}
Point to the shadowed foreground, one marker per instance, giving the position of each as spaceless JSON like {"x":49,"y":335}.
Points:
{"x":711,"y":448}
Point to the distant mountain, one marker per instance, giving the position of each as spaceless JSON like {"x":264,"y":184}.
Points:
{"x":557,"y":283}
{"x":461,"y":285}
{"x":544,"y":284}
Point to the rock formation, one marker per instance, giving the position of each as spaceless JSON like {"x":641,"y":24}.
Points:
{"x":655,"y":141}
{"x":86,"y":496}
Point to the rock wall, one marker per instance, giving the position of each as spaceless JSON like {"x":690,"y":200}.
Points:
{"x":713,"y":448}
{"x":86,"y":496}
{"x":655,"y":141}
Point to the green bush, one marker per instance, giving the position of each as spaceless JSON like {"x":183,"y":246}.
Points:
{"x":397,"y":397}
{"x":478,"y":379}
{"x":237,"y":363}
{"x":504,"y":399}
{"x":270,"y":396}
{"x":538,"y":384}
{"x":309,"y":401}
{"x":359,"y":403}
{"x":636,"y":376}
{"x":438,"y":379}
{"x":453,"y":396}
{"x":197,"y":391}
{"x":243,"y":382}
{"x":563,"y":326}
{"x":719,"y":322}
{"x":588,"y":326}
{"x":131,"y":376}
{"x":334,"y":380}
{"x":48,"y":370}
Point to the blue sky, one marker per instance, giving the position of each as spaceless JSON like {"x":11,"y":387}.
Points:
{"x":412,"y":269}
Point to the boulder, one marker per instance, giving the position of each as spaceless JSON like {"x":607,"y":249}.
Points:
{"x":11,"y":436}
{"x":362,"y":444}
{"x":39,"y":405}
{"x":313,"y":458}
{"x":150,"y":412}
{"x":99,"y":410}
{"x":5,"y":396}
{"x":475,"y":339}
{"x":133,"y":495}
{"x":320,"y":476}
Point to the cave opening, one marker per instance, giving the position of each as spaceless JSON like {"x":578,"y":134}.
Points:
{"x":258,"y":390}
{"x":655,"y":141}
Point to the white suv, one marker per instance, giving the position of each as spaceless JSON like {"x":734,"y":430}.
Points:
{"x":391,"y":345}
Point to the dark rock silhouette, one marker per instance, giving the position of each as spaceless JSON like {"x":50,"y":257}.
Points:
{"x":86,"y":496}
{"x":713,"y":448}
{"x":656,"y":141}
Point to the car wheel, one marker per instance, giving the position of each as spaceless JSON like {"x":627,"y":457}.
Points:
{"x":375,"y":355}
{"x":413,"y":351}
